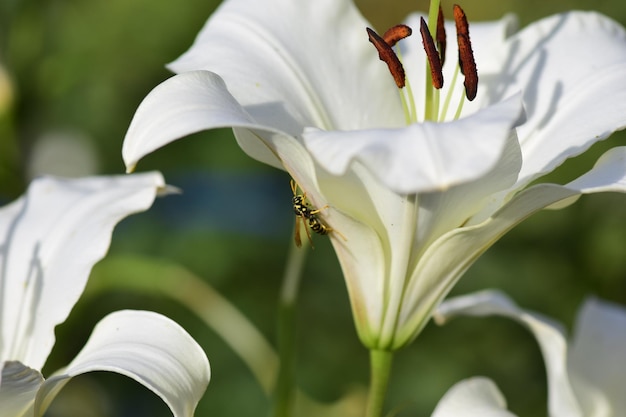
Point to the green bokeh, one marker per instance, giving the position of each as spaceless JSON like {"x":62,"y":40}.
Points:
{"x":84,"y":66}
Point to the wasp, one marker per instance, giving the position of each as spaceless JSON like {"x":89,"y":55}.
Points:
{"x":307,"y":214}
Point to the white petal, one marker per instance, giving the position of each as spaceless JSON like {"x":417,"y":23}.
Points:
{"x":51,"y":238}
{"x":607,"y":175}
{"x":447,"y":258}
{"x":562,"y":401}
{"x":18,"y":386}
{"x":571,"y":69}
{"x":421,"y":157}
{"x":182,"y":105}
{"x":147,"y":347}
{"x":359,"y":215}
{"x":404,"y":231}
{"x":598,"y":352}
{"x":445,"y":211}
{"x":473,"y":397}
{"x":293,"y":64}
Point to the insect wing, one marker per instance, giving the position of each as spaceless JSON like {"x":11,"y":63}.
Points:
{"x":296,"y":236}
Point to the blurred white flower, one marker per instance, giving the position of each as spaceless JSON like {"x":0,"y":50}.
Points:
{"x":63,"y":153}
{"x":586,"y":377}
{"x":50,"y":239}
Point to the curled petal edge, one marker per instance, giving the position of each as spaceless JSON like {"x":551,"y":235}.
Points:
{"x":147,"y":347}
{"x":425,"y":156}
{"x":472,"y":397}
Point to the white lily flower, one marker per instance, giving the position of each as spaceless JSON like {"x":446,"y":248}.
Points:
{"x":51,"y":238}
{"x":586,"y":376}
{"x":413,"y":202}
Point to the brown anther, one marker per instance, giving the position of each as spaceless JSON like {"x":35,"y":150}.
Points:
{"x":387,"y":55}
{"x":466,"y":56}
{"x":440,"y":36}
{"x":432,"y":54}
{"x":396,"y":33}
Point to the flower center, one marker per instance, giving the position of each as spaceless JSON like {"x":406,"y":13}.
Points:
{"x":433,"y":36}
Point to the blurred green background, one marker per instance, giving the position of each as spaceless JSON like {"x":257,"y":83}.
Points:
{"x":79,"y":69}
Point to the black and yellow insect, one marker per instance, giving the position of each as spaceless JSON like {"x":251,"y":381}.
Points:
{"x":309,"y":215}
{"x":318,"y":227}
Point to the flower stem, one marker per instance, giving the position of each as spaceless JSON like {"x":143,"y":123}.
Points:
{"x":380,"y":368}
{"x":285,"y":386}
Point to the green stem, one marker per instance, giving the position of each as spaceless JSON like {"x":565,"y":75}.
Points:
{"x":380,"y":364}
{"x":285,"y":386}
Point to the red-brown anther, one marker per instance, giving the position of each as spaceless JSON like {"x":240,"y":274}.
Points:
{"x":387,"y":55}
{"x":466,"y":56}
{"x":440,"y":36}
{"x":432,"y":54}
{"x":396,"y":33}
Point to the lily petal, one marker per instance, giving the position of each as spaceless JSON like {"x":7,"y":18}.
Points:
{"x":570,"y":106}
{"x":473,"y":397}
{"x":597,"y":350}
{"x":607,"y":175}
{"x":562,"y":401}
{"x":421,"y":157}
{"x":147,"y":347}
{"x":51,"y":238}
{"x":182,"y":105}
{"x":389,"y":217}
{"x":18,"y":387}
{"x":450,"y":255}
{"x":199,"y":100}
{"x":293,"y":64}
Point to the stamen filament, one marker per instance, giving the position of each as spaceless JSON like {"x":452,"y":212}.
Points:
{"x":459,"y":109}
{"x":405,"y":108}
{"x":410,"y":112}
{"x":429,"y":97}
{"x":413,"y":110}
{"x":446,"y":104}
{"x":435,"y":105}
